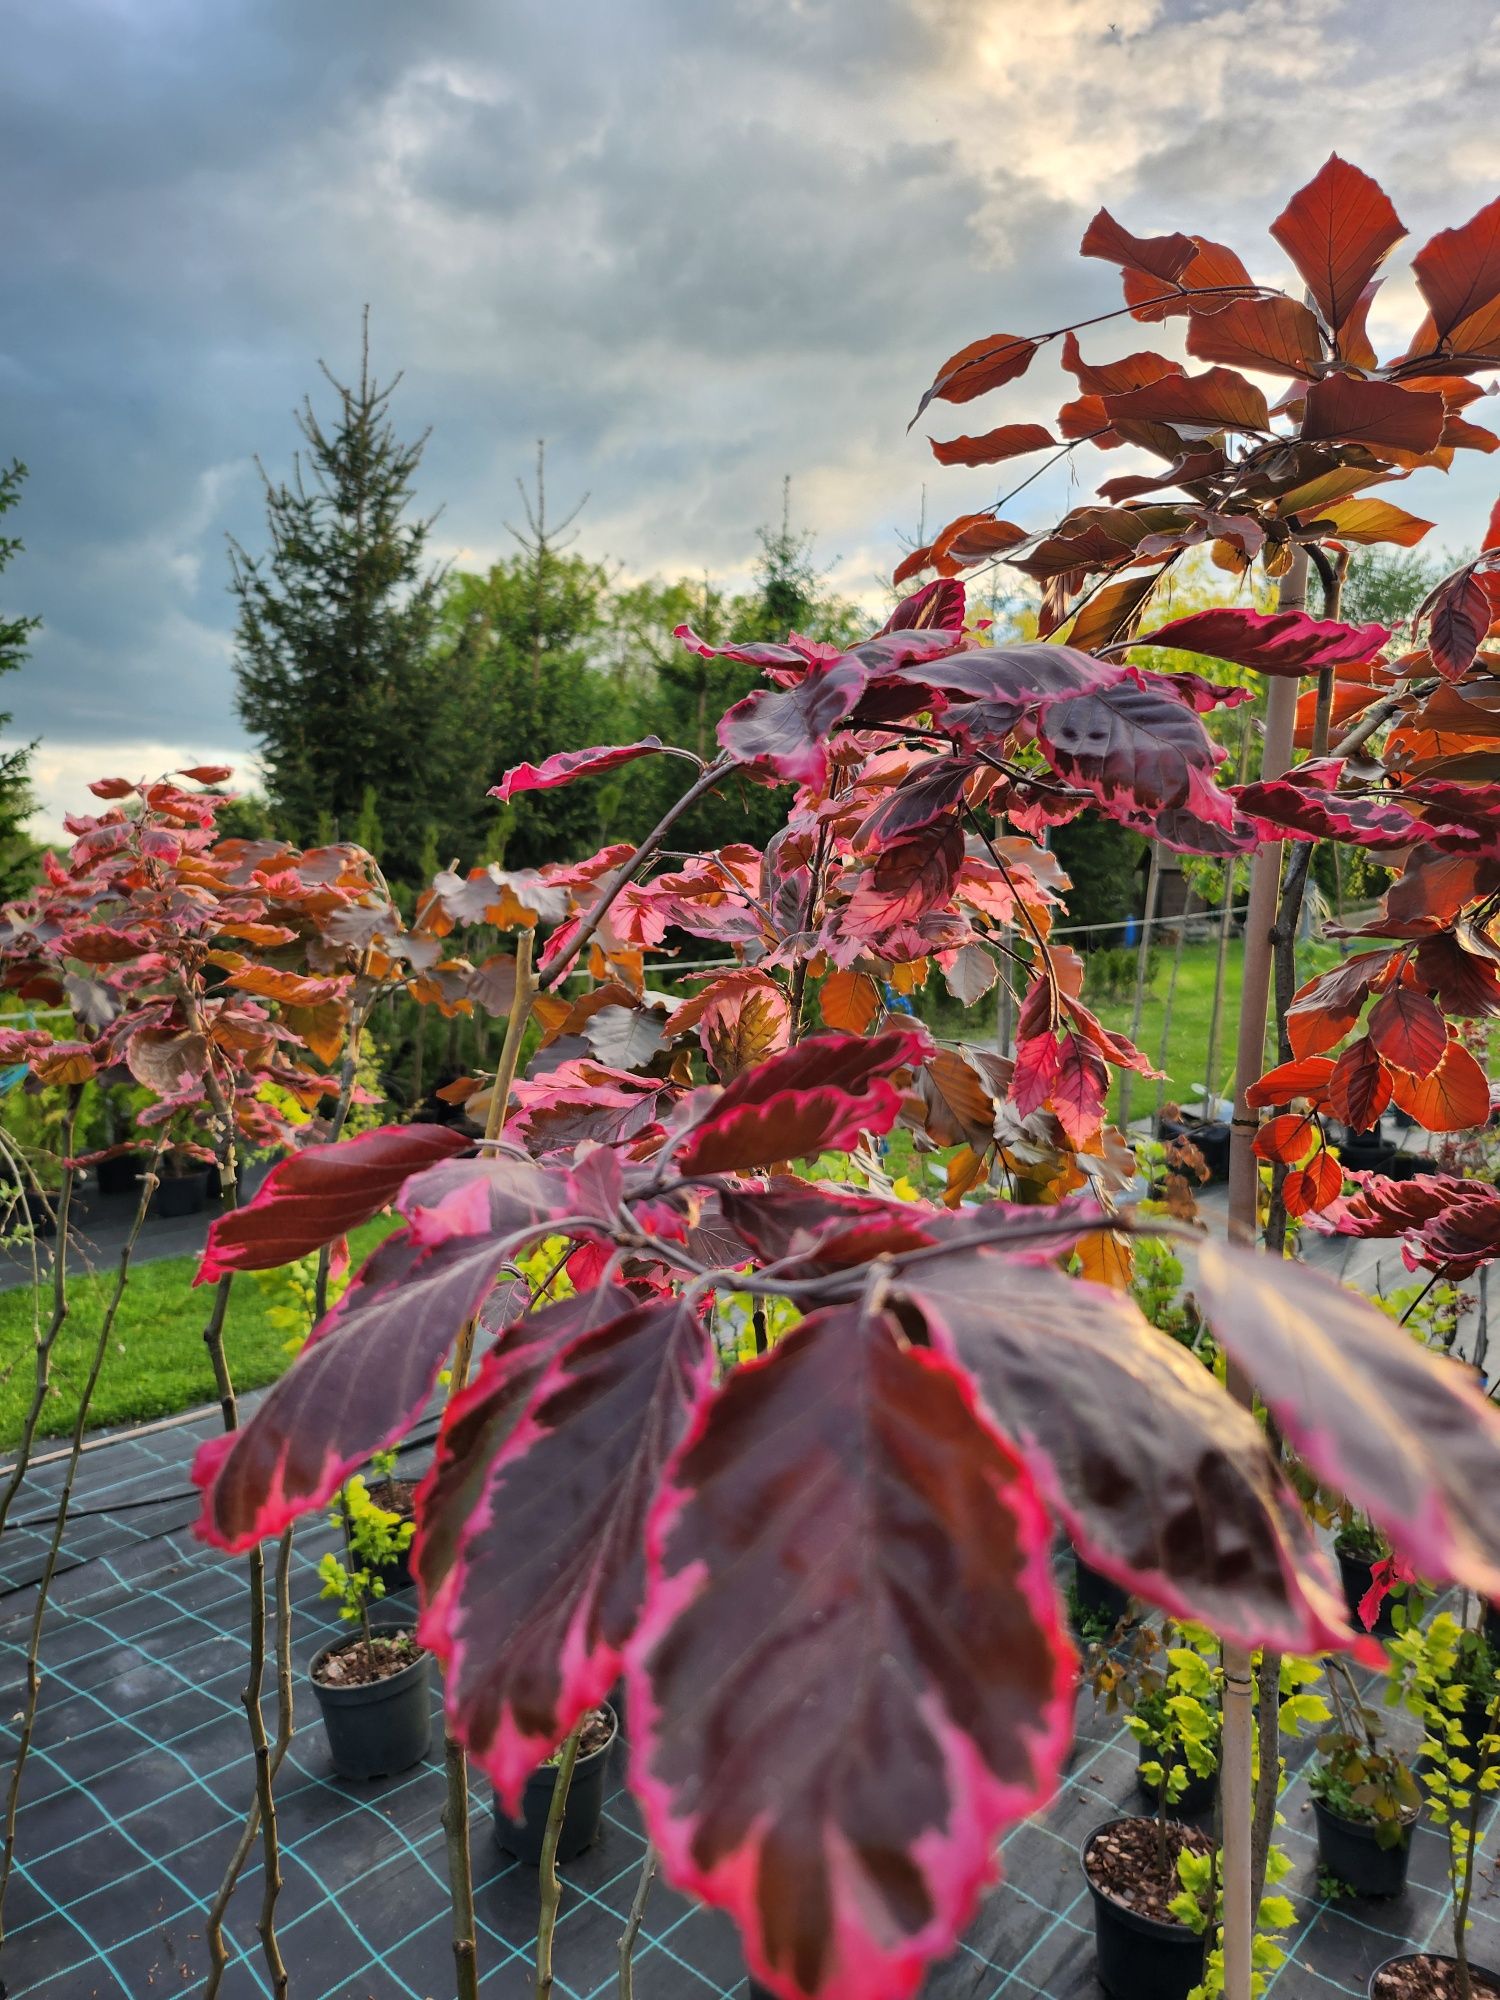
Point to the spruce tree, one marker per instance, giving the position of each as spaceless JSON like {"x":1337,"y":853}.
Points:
{"x":17,"y":852}
{"x":337,"y":671}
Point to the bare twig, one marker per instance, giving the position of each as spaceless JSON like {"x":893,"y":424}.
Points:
{"x":551,"y":1886}
{"x":59,"y":1528}
{"x":48,"y":1337}
{"x":633,"y":1923}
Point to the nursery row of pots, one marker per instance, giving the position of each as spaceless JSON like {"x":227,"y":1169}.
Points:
{"x":376,"y":1705}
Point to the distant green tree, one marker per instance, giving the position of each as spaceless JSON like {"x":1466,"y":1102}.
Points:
{"x":527,"y":658}
{"x":17,"y":852}
{"x":1389,"y":584}
{"x":339,"y":681}
{"x":680,"y":696}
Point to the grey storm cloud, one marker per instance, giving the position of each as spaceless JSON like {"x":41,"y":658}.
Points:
{"x":694,"y":245}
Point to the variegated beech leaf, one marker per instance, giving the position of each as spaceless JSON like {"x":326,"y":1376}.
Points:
{"x":548,"y":1568}
{"x":315,"y":1196}
{"x":821,"y":1095}
{"x":1403,"y":1433}
{"x":849,"y":1678}
{"x":1164,"y":1484}
{"x":358,"y":1385}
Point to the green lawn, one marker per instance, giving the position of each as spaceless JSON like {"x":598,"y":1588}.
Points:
{"x":1187,"y":1052}
{"x":157,"y":1363}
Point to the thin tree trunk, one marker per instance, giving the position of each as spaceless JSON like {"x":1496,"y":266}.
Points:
{"x":455,"y":1763}
{"x":65,"y":1500}
{"x":633,"y":1923}
{"x":1211,"y":1091}
{"x":1255,"y":990}
{"x":551,"y":1885}
{"x":1142,"y":968}
{"x":48,"y":1339}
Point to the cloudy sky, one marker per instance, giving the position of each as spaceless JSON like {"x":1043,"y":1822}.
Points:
{"x":696,"y":244}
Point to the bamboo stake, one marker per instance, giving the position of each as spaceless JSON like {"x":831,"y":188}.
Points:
{"x":1244,"y":1186}
{"x":1142,"y":967}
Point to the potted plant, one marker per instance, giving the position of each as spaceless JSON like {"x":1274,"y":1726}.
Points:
{"x":373,"y":1687}
{"x":1176,"y":1721}
{"x":184,"y":1184}
{"x":1435,"y":1668}
{"x":1365,"y":1798}
{"x":1358,"y":1547}
{"x":1148,"y":1929}
{"x":584,"y":1808}
{"x":1098,"y":1606}
{"x":391,"y":1498}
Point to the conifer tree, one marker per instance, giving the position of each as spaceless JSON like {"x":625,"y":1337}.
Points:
{"x":338,"y":676}
{"x":17,"y":852}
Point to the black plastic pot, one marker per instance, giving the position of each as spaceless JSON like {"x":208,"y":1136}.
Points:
{"x":1138,"y":1958}
{"x":381,"y":1728}
{"x":182,"y":1194}
{"x":1198,"y":1794}
{"x":1357,"y":1575}
{"x":524,"y":1837}
{"x":1477,"y":1972}
{"x":1097,"y":1595}
{"x":119,"y":1174}
{"x":1350,"y":1851}
{"x":1492,"y":1626}
{"x":1211,"y":1138}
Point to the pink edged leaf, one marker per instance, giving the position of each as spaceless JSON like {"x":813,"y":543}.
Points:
{"x":788,"y":661}
{"x":567,"y":765}
{"x":1308,"y":811}
{"x":785,"y":730}
{"x":550,"y":1568}
{"x":821,"y":1095}
{"x":1136,"y":749}
{"x":1402,"y":1433}
{"x":1163,"y":1483}
{"x":1447,"y":1225}
{"x":940,"y":604}
{"x":357,"y":1386}
{"x":849,"y":1579}
{"x":315,"y":1196}
{"x":1274,"y":642}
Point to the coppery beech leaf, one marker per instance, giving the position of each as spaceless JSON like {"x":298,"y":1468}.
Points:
{"x":1454,"y":1097}
{"x":170,"y":1062}
{"x":321,"y":1193}
{"x":549,"y":1572}
{"x":1007,"y":441}
{"x":849,"y":1678}
{"x":1401,"y":1432}
{"x":1162,"y":1483}
{"x":981,"y":366}
{"x":1380,"y":415}
{"x":1409,"y":1030}
{"x":1338,"y":231}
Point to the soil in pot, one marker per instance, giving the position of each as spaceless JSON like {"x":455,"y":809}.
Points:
{"x":376,"y":1702}
{"x":524,"y":1837}
{"x":1143,"y":1953}
{"x":1428,"y":1975}
{"x":1357,"y":1574}
{"x":1348,"y":1849}
{"x":396,"y":1496}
